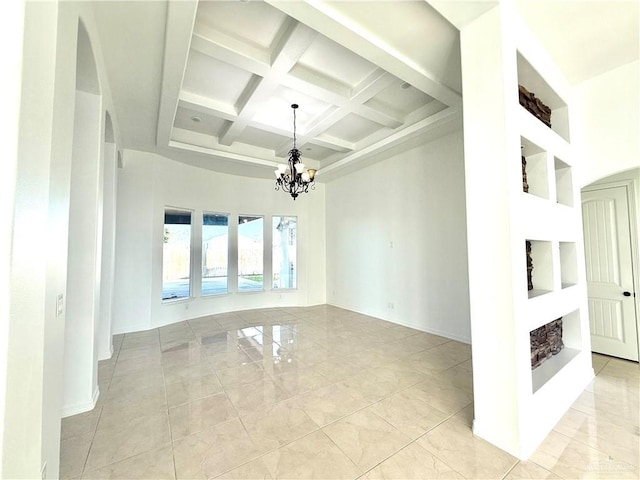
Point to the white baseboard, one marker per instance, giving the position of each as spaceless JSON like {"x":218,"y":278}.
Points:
{"x":107,"y":357}
{"x":422,"y":328}
{"x":82,"y":407}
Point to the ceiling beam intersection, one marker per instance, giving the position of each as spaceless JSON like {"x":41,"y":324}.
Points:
{"x":377,"y":81}
{"x":292,"y":44}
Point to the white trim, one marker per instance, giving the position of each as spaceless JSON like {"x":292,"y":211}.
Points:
{"x":82,"y":407}
{"x":110,"y":353}
{"x":432,"y":331}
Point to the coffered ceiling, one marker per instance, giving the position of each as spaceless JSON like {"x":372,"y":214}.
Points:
{"x":210,"y":83}
{"x":233,"y":69}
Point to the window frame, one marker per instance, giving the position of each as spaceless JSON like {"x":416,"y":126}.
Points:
{"x":296,"y":250}
{"x":176,"y":210}
{"x":263,"y":256}
{"x":203,"y":253}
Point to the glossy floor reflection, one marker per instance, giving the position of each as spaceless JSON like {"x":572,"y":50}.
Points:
{"x":322,"y":392}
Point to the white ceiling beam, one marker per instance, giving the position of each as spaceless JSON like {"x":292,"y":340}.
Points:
{"x":316,"y":85}
{"x":227,"y":49}
{"x":450,"y":114}
{"x":199,"y":142}
{"x":180,"y":19}
{"x":333,"y":143}
{"x":378,"y":116}
{"x":328,"y":90}
{"x":461,"y":13}
{"x":329,"y":21}
{"x":376,"y":82}
{"x":207,"y":105}
{"x":425,"y":111}
{"x":372,"y":85}
{"x":365,"y":90}
{"x":294,"y":41}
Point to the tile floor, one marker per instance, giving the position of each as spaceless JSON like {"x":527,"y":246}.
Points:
{"x":327,"y":393}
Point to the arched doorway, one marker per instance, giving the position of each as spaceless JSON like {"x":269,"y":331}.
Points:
{"x":110,"y":160}
{"x":610,"y":209}
{"x":85,"y":237}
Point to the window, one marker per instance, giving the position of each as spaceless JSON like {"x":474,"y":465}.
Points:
{"x":176,"y":254}
{"x":215,"y":253}
{"x":250,"y":253}
{"x":284,"y":252}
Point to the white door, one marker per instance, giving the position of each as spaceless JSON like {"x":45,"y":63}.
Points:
{"x":607,"y":244}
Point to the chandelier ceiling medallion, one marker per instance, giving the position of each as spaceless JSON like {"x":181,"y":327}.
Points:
{"x":293,"y":178}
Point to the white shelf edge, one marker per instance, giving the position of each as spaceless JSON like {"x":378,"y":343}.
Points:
{"x":547,"y":221}
{"x":546,"y":308}
{"x":537,"y":293}
{"x":533,"y":197}
{"x":551,"y":367}
{"x":538,"y":133}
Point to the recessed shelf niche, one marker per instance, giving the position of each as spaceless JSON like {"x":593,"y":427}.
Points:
{"x":542,"y":273}
{"x":568,"y":264}
{"x":536,"y":168}
{"x":564,"y":183}
{"x":572,"y":339}
{"x":529,"y":78}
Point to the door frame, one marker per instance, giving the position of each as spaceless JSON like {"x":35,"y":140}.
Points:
{"x":632,"y":185}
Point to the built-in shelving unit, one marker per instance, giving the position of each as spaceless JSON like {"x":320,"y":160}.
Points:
{"x":515,"y":408}
{"x":554,"y":250}
{"x":537,"y":175}
{"x":564,"y":183}
{"x":549,"y":369}
{"x":550,"y":178}
{"x":529,"y":77}
{"x":568,"y":264}
{"x":542,"y":274}
{"x":572,"y":338}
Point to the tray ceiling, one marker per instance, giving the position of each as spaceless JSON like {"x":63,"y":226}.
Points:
{"x":237,"y":65}
{"x":233,"y":69}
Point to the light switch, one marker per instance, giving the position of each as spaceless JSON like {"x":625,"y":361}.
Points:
{"x":59,"y":305}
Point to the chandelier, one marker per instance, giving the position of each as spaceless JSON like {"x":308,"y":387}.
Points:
{"x":293,"y":178}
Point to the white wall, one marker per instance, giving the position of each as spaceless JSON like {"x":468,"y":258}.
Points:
{"x":105,"y":346}
{"x":11,"y":36}
{"x":606,"y":122}
{"x":35,"y":344}
{"x":149,"y":182}
{"x":396,"y":234}
{"x":83,"y":269}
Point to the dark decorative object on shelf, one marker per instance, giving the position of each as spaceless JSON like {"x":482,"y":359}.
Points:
{"x":546,"y":341}
{"x":529,"y":265}
{"x":525,"y":185}
{"x":538,"y":109}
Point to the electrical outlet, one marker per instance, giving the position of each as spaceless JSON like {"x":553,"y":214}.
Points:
{"x":59,"y":305}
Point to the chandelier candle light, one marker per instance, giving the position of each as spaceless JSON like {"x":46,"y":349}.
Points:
{"x":293,"y":178}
